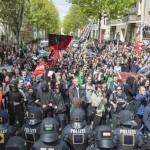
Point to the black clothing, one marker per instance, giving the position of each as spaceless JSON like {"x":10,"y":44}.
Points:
{"x":5,"y":134}
{"x":77,"y":139}
{"x":129,"y":89}
{"x":58,"y":145}
{"x":16,"y":111}
{"x":127,"y":138}
{"x":30,"y":133}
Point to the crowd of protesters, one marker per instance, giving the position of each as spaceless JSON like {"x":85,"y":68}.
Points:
{"x":78,"y":79}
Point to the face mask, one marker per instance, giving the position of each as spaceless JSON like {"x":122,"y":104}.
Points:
{"x":30,"y":92}
{"x":37,"y":81}
{"x":43,"y":89}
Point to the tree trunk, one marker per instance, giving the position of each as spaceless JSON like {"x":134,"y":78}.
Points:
{"x":18,"y":37}
{"x":37,"y":31}
{"x":99,"y":34}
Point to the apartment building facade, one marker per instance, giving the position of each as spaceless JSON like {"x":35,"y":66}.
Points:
{"x":131,"y":25}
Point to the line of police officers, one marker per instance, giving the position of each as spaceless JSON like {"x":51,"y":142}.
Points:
{"x":43,"y":134}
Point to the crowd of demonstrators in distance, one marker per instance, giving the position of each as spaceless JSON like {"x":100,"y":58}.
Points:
{"x":79,"y":80}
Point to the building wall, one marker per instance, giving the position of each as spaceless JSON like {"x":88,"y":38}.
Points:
{"x":131,"y":25}
{"x":147,"y":12}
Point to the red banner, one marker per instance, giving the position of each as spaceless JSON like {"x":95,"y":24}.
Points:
{"x":53,"y":57}
{"x":1,"y":97}
{"x":125,"y":75}
{"x":40,"y":69}
{"x":139,"y":46}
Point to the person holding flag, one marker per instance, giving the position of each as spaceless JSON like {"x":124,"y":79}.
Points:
{"x":56,"y":44}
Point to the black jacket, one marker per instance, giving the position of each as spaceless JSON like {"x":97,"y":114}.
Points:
{"x":59,"y":102}
{"x":73,"y":93}
{"x":129,"y":89}
{"x":44,"y":97}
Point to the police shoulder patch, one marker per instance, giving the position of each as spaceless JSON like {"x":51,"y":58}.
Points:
{"x":2,"y":140}
{"x":30,"y":137}
{"x":128,"y":139}
{"x":78,"y":138}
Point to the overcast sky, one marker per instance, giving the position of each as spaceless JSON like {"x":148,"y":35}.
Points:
{"x":62,"y":7}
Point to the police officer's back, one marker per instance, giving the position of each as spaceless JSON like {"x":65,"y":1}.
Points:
{"x":16,"y":143}
{"x":31,"y":130}
{"x":126,"y":137}
{"x":103,"y":137}
{"x":49,"y":138}
{"x":6,"y":131}
{"x":77,"y":134}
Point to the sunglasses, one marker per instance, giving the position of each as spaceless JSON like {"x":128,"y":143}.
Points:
{"x":119,"y":89}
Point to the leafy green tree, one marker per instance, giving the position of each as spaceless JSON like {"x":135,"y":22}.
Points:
{"x":42,"y":14}
{"x":12,"y":14}
{"x":104,"y":8}
{"x":74,"y":19}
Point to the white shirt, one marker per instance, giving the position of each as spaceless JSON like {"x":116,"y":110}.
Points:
{"x":117,"y":68}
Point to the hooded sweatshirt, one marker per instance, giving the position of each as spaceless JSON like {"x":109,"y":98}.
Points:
{"x":45,"y":97}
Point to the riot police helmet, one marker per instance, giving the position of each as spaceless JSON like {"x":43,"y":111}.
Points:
{"x":16,"y":143}
{"x":49,"y":130}
{"x":3,"y":119}
{"x":103,"y":136}
{"x":77,"y":118}
{"x":126,"y":118}
{"x":35,"y":116}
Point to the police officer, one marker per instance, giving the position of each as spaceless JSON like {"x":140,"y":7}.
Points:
{"x":77,"y":134}
{"x":146,"y":120}
{"x":49,"y":138}
{"x":16,"y":143}
{"x":31,"y":130}
{"x":103,"y":137}
{"x":126,"y":137}
{"x":6,"y":131}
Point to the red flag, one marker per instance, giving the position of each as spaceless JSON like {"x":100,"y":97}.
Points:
{"x":59,"y":42}
{"x":53,"y":57}
{"x":125,"y":75}
{"x":139,"y":46}
{"x":40,"y":69}
{"x":56,"y":55}
{"x":138,"y":49}
{"x":1,"y":97}
{"x":103,"y":35}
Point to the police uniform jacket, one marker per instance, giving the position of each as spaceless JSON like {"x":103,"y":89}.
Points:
{"x":127,"y":138}
{"x":30,"y":133}
{"x":5,"y":134}
{"x":146,"y":117}
{"x":77,"y":139}
{"x":58,"y":145}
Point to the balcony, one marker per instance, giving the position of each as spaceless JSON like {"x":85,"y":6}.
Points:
{"x":111,"y":21}
{"x":131,"y":18}
{"x":126,"y":19}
